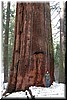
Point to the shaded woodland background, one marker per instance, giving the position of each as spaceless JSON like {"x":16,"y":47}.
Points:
{"x":8,"y":22}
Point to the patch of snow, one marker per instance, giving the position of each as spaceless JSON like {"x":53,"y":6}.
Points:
{"x":56,"y":90}
{"x":17,"y":95}
{"x":2,"y":80}
{"x":5,"y":85}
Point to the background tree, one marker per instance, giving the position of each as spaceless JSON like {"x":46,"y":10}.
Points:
{"x":56,"y":62}
{"x":10,"y":34}
{"x":62,"y":46}
{"x":55,"y":21}
{"x":6,"y":35}
{"x":32,"y":54}
{"x":57,"y":25}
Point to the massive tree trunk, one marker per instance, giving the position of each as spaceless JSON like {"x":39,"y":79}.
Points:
{"x":6,"y":43}
{"x":33,"y":52}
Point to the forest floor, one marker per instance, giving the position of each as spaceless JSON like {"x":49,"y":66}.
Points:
{"x":56,"y":90}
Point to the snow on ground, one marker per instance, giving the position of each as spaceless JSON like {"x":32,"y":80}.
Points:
{"x":56,"y":90}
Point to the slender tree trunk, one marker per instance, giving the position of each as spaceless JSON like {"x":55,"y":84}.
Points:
{"x":6,"y":43}
{"x":2,"y":17}
{"x":62,"y":66}
{"x":30,"y":55}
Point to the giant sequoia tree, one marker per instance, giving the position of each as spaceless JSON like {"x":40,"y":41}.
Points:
{"x":33,"y":48}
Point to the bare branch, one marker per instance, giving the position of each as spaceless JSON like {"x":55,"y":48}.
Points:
{"x":55,"y":17}
{"x":56,"y":23}
{"x":56,"y":37}
{"x":56,"y":33}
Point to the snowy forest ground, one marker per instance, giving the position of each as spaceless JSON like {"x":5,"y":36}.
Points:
{"x":56,"y":90}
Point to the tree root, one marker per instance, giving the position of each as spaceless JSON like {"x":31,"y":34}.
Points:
{"x":30,"y":92}
{"x":5,"y":94}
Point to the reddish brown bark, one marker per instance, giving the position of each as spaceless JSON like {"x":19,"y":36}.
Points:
{"x":32,"y":54}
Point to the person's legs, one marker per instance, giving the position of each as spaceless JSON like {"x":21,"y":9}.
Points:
{"x":47,"y":83}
